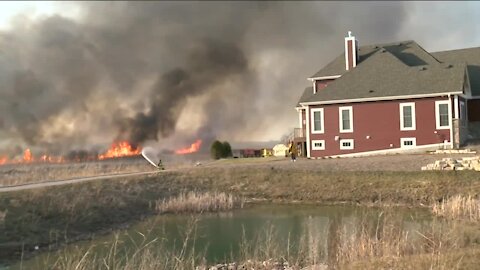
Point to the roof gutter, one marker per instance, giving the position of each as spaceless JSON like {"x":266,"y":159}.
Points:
{"x":377,"y":98}
{"x":324,"y":78}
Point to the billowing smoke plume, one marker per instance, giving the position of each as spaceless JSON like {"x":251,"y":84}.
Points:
{"x":156,"y":71}
{"x":209,"y":63}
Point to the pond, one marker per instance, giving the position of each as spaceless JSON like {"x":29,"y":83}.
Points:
{"x":219,"y":236}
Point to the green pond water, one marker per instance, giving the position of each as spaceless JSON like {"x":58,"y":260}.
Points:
{"x":218,"y":235}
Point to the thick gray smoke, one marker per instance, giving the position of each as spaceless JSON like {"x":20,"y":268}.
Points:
{"x":209,"y":63}
{"x":156,"y":71}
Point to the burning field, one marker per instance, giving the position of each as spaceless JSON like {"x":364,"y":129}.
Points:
{"x":121,"y":157}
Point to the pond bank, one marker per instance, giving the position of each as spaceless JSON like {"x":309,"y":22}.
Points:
{"x":46,"y":216}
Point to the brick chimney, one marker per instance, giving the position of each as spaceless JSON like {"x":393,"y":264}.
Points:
{"x":351,"y":51}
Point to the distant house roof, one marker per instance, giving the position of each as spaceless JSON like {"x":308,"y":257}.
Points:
{"x":390,"y":70}
{"x":471,"y":56}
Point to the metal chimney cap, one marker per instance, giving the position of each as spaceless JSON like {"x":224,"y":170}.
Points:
{"x":349,"y":33}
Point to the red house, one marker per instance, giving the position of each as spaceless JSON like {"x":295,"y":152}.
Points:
{"x":389,"y":98}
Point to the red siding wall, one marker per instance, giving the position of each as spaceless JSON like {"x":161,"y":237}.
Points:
{"x":381,"y":121}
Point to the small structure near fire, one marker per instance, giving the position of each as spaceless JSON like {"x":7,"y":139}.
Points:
{"x":280,"y":150}
{"x":267,"y":152}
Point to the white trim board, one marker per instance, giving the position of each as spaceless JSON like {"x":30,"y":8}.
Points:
{"x":437,"y":114}
{"x":377,"y":98}
{"x":351,"y":141}
{"x":455,"y":106}
{"x":403,"y":140}
{"x":324,"y":78}
{"x":314,"y":147}
{"x":414,"y":124}
{"x":340,"y":119}
{"x":391,"y":151}
{"x":307,"y":130}
{"x":322,"y":120}
{"x":450,"y":120}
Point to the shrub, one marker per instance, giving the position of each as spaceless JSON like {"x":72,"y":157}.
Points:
{"x":227,"y":150}
{"x":216,"y":150}
{"x":220,"y":150}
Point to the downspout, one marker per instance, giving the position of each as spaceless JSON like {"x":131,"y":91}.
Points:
{"x":450,"y":119}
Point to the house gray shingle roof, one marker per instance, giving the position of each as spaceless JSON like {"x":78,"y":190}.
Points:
{"x":307,"y":93}
{"x":409,"y":52}
{"x":395,"y":69}
{"x":471,"y":56}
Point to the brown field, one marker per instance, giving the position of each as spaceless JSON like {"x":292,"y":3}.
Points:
{"x":33,"y":173}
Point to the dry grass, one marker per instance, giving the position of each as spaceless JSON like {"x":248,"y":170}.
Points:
{"x":388,"y":245}
{"x":194,"y":202}
{"x":387,"y":239}
{"x":458,"y":207}
{"x":33,"y":173}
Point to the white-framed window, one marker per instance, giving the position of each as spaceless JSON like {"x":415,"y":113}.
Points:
{"x":346,"y":144}
{"x":317,"y":118}
{"x":345,"y":117}
{"x":318,"y":144}
{"x":408,"y":142}
{"x":463,"y":113}
{"x":442,"y":114}
{"x":407,"y":116}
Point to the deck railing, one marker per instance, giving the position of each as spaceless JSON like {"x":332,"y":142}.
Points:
{"x":298,"y":133}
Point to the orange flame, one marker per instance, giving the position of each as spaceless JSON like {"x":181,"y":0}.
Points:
{"x":27,"y":156}
{"x":194,"y":147}
{"x":121,"y":149}
{"x":52,"y":159}
{"x":3,"y":160}
{"x":117,"y":149}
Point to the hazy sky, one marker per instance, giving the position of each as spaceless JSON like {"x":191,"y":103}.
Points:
{"x":87,"y":56}
{"x":455,"y":24}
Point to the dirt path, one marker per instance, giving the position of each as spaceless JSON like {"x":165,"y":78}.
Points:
{"x":71,"y":181}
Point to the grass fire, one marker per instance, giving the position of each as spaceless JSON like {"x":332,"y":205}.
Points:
{"x":121,"y":149}
{"x":117,"y":150}
{"x":194,"y":147}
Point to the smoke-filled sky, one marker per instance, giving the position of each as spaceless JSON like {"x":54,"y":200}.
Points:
{"x":78,"y":74}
